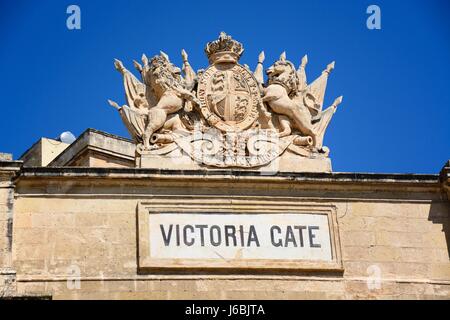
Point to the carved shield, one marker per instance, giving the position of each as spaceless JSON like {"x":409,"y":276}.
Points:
{"x":229,"y":97}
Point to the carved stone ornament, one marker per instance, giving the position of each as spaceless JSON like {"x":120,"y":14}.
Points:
{"x":229,"y":97}
{"x":225,"y":116}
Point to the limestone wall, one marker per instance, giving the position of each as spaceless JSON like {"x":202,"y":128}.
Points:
{"x":6,"y":215}
{"x":8,"y":170}
{"x":83,"y":226}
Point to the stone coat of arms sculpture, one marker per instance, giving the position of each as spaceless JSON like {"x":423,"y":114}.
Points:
{"x":226,"y":116}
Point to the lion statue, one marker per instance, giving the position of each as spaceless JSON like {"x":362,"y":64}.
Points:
{"x":153,"y":104}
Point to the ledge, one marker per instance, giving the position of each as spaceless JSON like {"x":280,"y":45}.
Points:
{"x":92,"y":139}
{"x":9,"y":170}
{"x":141,"y":173}
{"x":10,"y":165}
{"x":444,"y":177}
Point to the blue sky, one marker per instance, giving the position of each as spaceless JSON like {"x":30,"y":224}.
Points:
{"x":395,"y":116}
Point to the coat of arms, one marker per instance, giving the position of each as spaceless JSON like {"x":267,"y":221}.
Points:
{"x":228,"y":92}
{"x":225,"y":115}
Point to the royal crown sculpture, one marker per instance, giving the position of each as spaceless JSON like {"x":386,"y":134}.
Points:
{"x":226,"y":116}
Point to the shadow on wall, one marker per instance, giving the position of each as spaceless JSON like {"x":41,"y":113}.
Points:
{"x":440,"y":214}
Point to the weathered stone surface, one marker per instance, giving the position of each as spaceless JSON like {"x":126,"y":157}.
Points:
{"x":5,"y":156}
{"x":8,"y":171}
{"x":43,"y":152}
{"x":95,"y":148}
{"x":88,"y":232}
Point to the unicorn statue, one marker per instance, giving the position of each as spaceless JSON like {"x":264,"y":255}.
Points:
{"x":298,"y":105}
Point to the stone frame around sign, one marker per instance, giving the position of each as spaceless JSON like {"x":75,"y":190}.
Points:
{"x":234,"y":205}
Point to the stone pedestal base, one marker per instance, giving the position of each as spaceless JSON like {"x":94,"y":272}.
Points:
{"x":288,"y":162}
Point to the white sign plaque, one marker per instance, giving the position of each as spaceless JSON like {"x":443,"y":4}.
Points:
{"x":243,"y":234}
{"x":240,"y":236}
